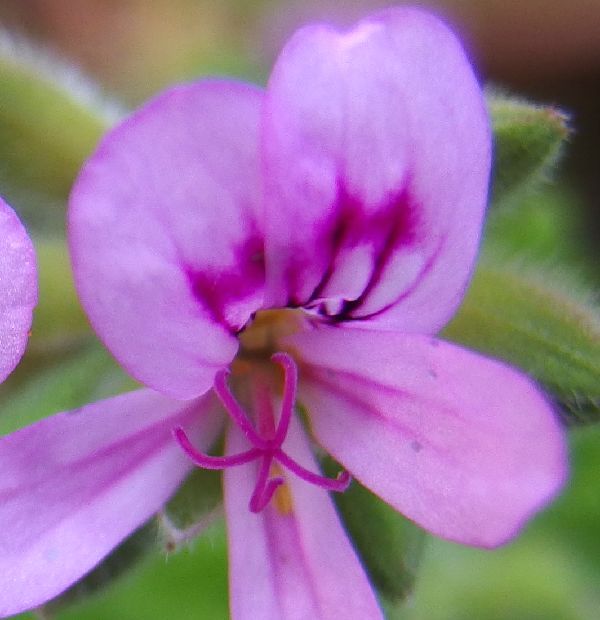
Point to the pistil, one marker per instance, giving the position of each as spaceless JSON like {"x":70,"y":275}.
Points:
{"x":267,"y":442}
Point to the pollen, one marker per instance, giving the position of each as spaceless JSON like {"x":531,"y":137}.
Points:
{"x":283,"y":500}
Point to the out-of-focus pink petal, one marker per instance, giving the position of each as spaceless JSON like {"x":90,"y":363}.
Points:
{"x":74,"y":485}
{"x":293,"y":559}
{"x":463,"y":445}
{"x":376,"y":150}
{"x":164,"y":234}
{"x":18,"y":288}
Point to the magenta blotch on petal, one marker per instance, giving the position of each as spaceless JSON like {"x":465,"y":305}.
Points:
{"x":292,"y":560}
{"x":166,"y":237}
{"x":18,"y":288}
{"x":376,"y":148}
{"x":465,"y":446}
{"x":74,"y":485}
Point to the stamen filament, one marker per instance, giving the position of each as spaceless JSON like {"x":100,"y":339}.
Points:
{"x":339,"y":484}
{"x":267,"y":495}
{"x":212,"y":462}
{"x":290,"y":382}
{"x":235,"y":411}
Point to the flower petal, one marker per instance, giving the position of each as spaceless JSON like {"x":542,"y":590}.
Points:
{"x":293,"y":559}
{"x":165,"y":240}
{"x":463,"y":445}
{"x":18,"y":288}
{"x":76,"y":484}
{"x":377,"y":153}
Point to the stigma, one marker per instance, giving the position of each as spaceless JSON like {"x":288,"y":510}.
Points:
{"x":265,"y":437}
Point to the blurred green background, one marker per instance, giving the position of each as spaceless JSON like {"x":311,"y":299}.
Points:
{"x":548,"y":50}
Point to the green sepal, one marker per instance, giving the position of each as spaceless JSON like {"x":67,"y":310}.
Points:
{"x":390,"y":546}
{"x":544,"y":226}
{"x":50,"y":121}
{"x":528,"y":140}
{"x":537,"y":320}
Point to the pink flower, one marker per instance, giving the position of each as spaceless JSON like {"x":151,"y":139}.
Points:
{"x":330,"y":221}
{"x":18,"y":289}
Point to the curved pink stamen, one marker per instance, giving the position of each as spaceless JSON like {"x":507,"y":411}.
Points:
{"x":267,"y":449}
{"x":290,"y":382}
{"x":212,"y":462}
{"x":339,"y":484}
{"x":234,"y":410}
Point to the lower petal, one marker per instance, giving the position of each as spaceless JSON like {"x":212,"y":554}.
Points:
{"x":76,"y":484}
{"x":293,"y":559}
{"x":465,"y":446}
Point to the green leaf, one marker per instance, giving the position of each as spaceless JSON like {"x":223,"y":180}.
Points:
{"x":528,"y":140}
{"x":538,"y":321}
{"x":389,"y":545}
{"x":50,"y":120}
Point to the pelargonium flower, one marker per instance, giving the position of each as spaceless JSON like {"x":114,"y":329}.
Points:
{"x":18,"y":289}
{"x":327,"y":225}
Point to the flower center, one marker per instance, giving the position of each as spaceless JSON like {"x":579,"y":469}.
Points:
{"x":267,"y":440}
{"x":260,"y":338}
